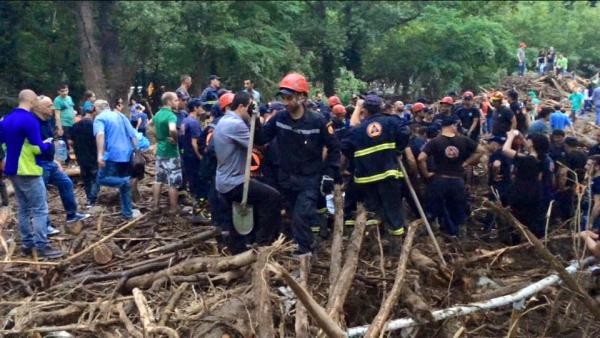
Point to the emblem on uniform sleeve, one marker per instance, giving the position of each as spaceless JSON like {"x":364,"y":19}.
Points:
{"x":451,"y":152}
{"x":330,"y":128}
{"x":374,"y":129}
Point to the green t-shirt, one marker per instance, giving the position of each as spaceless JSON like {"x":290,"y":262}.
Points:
{"x":161,"y":120}
{"x":67,"y":113}
{"x":576,"y":99}
{"x":562,"y":63}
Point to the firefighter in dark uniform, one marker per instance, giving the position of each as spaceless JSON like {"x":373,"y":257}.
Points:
{"x":373,"y":146}
{"x":306,"y":171}
{"x":452,"y":153}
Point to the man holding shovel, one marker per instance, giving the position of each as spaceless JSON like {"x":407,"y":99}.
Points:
{"x":231,"y":140}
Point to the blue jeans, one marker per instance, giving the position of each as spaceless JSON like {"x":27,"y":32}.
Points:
{"x":598,"y":114}
{"x":116,"y":175}
{"x":522,"y":68}
{"x":541,"y":69}
{"x":32,"y":210}
{"x":53,"y":176}
{"x":488,"y":122}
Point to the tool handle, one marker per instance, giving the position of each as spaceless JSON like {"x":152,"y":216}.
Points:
{"x":248,"y":160}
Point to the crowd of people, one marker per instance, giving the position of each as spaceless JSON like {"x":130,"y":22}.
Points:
{"x":302,"y":148}
{"x":545,"y":62}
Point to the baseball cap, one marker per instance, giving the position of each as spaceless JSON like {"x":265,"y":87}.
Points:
{"x":448,"y":121}
{"x":276,"y":106}
{"x":468,"y":95}
{"x":213,"y":77}
{"x":373,"y":100}
{"x":263,"y":109}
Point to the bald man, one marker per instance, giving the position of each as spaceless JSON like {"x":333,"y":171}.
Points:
{"x":22,"y":135}
{"x":116,"y":141}
{"x":53,"y":173}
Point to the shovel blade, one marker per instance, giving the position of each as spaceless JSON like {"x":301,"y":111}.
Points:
{"x":243,"y":218}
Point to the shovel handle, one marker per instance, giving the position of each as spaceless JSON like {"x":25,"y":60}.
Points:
{"x":248,"y":161}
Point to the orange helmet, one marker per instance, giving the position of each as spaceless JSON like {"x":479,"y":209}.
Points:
{"x":447,"y":100}
{"x":333,"y":100}
{"x":295,"y":83}
{"x":498,"y":96}
{"x":225,"y":100}
{"x":338,"y":110}
{"x":417,"y":107}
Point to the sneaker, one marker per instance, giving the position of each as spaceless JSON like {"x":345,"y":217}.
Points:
{"x":77,"y":217}
{"x":52,"y":231}
{"x":135,"y":213}
{"x":50,"y":252}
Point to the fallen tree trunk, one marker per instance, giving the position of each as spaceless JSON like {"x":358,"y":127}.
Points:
{"x":387,"y":306}
{"x":193,"y":266}
{"x":187,"y":242}
{"x":342,"y":287}
{"x":262,"y":297}
{"x":301,"y":323}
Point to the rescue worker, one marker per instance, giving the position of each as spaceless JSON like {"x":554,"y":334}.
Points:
{"x":504,"y":119}
{"x":210,"y":94}
{"x":451,"y":153}
{"x":374,"y":145}
{"x":302,"y":135}
{"x":338,"y":121}
{"x":470,"y":115}
{"x":446,"y":110}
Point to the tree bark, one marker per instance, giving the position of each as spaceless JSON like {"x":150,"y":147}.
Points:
{"x":118,"y":74}
{"x":89,"y":49}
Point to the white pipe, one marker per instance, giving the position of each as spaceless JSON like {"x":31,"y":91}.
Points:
{"x":458,"y":311}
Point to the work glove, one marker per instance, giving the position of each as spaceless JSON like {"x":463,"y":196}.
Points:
{"x":326,"y":185}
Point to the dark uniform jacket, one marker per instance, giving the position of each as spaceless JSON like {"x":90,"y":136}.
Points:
{"x":300,"y":143}
{"x":374,"y":146}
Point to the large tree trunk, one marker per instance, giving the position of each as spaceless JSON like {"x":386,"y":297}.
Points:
{"x":89,"y":46}
{"x":118,"y":75}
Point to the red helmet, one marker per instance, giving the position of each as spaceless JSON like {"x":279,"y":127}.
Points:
{"x":338,"y":110}
{"x":294,"y":82}
{"x":333,"y":100}
{"x":225,"y":100}
{"x":447,"y":100}
{"x":417,"y":107}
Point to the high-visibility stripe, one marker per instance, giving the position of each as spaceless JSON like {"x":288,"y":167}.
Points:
{"x":315,"y":229}
{"x":397,"y":232}
{"x":374,"y":149}
{"x":370,"y":179}
{"x":297,"y":131}
{"x":349,"y":222}
{"x":373,"y":222}
{"x":322,"y":211}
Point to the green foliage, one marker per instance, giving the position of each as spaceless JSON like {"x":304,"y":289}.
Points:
{"x":425,"y":48}
{"x":347,"y":84}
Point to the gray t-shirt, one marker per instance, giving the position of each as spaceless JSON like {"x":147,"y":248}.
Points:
{"x":231,"y":137}
{"x":521,"y":54}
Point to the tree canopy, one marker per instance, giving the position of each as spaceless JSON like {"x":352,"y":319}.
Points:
{"x":417,"y":48}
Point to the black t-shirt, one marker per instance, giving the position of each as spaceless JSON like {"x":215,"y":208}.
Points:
{"x":84,"y":142}
{"x":576,"y":161}
{"x":517,"y":109}
{"x":467,"y":115}
{"x":550,"y":57}
{"x":502,"y":121}
{"x":46,"y":132}
{"x":449,"y":153}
